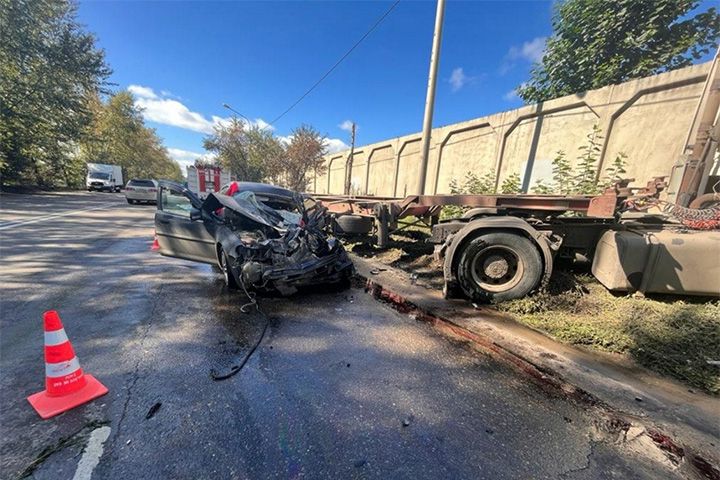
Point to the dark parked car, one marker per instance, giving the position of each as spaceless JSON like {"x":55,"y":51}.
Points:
{"x":261,"y":236}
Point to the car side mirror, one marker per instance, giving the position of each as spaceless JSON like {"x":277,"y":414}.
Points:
{"x":195,"y":214}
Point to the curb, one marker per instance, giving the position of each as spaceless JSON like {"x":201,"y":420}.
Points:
{"x":626,"y":427}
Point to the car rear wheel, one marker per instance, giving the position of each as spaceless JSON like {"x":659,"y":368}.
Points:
{"x":226,"y":269}
{"x":499,"y":266}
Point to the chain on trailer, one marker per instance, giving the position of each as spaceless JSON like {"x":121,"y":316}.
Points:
{"x":696,"y":219}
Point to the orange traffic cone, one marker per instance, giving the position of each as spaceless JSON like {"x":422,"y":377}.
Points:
{"x":155,"y":245}
{"x":66,"y":386}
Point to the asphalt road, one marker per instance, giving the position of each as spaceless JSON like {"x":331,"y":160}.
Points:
{"x":341,"y":386}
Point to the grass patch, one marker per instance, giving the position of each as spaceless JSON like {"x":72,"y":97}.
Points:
{"x":671,"y":335}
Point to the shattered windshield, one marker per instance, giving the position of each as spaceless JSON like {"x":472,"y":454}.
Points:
{"x":288,"y":217}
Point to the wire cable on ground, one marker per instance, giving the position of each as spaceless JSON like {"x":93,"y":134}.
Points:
{"x":337,"y":64}
{"x":244,"y":309}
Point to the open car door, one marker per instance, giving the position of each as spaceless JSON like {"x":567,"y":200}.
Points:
{"x":180,"y":225}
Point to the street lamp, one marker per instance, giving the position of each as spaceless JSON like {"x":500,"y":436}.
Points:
{"x":233,"y":110}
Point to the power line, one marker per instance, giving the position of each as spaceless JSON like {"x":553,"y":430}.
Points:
{"x":337,"y":64}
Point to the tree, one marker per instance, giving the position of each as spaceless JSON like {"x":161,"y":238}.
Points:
{"x":49,"y":67}
{"x":265,"y":149}
{"x":603,"y":42}
{"x":118,"y":136}
{"x":231,"y":144}
{"x":304,"y":156}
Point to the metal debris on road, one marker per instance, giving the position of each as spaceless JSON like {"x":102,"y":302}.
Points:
{"x":153,"y":410}
{"x":408,"y":420}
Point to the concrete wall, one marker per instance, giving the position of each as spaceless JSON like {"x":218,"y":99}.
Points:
{"x":648,"y":119}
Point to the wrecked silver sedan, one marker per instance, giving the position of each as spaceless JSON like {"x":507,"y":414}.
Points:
{"x":261,"y":236}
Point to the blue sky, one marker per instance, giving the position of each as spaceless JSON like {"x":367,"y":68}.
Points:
{"x":183,"y":59}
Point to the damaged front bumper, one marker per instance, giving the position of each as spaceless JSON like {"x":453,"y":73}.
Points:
{"x":333,"y":268}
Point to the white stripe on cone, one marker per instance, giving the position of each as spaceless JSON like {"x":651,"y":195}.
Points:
{"x":60,"y":369}
{"x":58,"y":337}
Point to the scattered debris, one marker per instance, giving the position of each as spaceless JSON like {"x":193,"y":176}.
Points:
{"x":153,"y":410}
{"x":408,"y":420}
{"x":489,"y":431}
{"x":233,"y":370}
{"x":638,"y":399}
{"x":665,"y":443}
{"x":236,"y":368}
{"x":359,"y":462}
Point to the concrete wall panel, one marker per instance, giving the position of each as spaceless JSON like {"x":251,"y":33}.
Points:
{"x":470,"y":150}
{"x":382,"y":166}
{"x":647,"y":118}
{"x":407,"y":178}
{"x":658,"y":148}
{"x":337,"y":174}
{"x":357,"y":178}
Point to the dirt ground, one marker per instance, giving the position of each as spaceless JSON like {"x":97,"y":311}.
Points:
{"x":672,"y":335}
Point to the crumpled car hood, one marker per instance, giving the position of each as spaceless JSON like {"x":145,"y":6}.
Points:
{"x":215,"y":201}
{"x":270,"y":252}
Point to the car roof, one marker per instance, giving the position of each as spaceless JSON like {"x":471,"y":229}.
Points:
{"x":264,"y":188}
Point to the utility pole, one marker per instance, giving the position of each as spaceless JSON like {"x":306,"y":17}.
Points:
{"x":348,"y":164}
{"x":430,"y":99}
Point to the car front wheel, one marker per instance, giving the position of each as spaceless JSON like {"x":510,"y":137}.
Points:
{"x":226,"y":270}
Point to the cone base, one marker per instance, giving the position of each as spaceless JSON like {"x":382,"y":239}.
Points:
{"x":47,"y":406}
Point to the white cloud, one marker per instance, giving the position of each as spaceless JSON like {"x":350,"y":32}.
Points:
{"x":332,"y":145}
{"x":531,"y":51}
{"x":510,"y":96}
{"x":142,"y":92}
{"x":172,"y":112}
{"x":184,"y":157}
{"x":263,"y":124}
{"x":458,"y":79}
{"x":335,"y":145}
{"x":347,"y":125}
{"x":168,"y":111}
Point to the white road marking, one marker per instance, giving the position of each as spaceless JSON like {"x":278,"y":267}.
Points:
{"x":91,"y":455}
{"x":9,"y":225}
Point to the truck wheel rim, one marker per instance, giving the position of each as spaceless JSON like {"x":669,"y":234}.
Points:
{"x":497,"y":268}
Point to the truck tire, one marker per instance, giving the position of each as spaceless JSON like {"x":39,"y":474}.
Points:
{"x":354,"y":224}
{"x":131,"y":201}
{"x":499,"y":266}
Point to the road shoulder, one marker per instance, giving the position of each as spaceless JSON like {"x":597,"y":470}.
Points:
{"x":690,"y":418}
